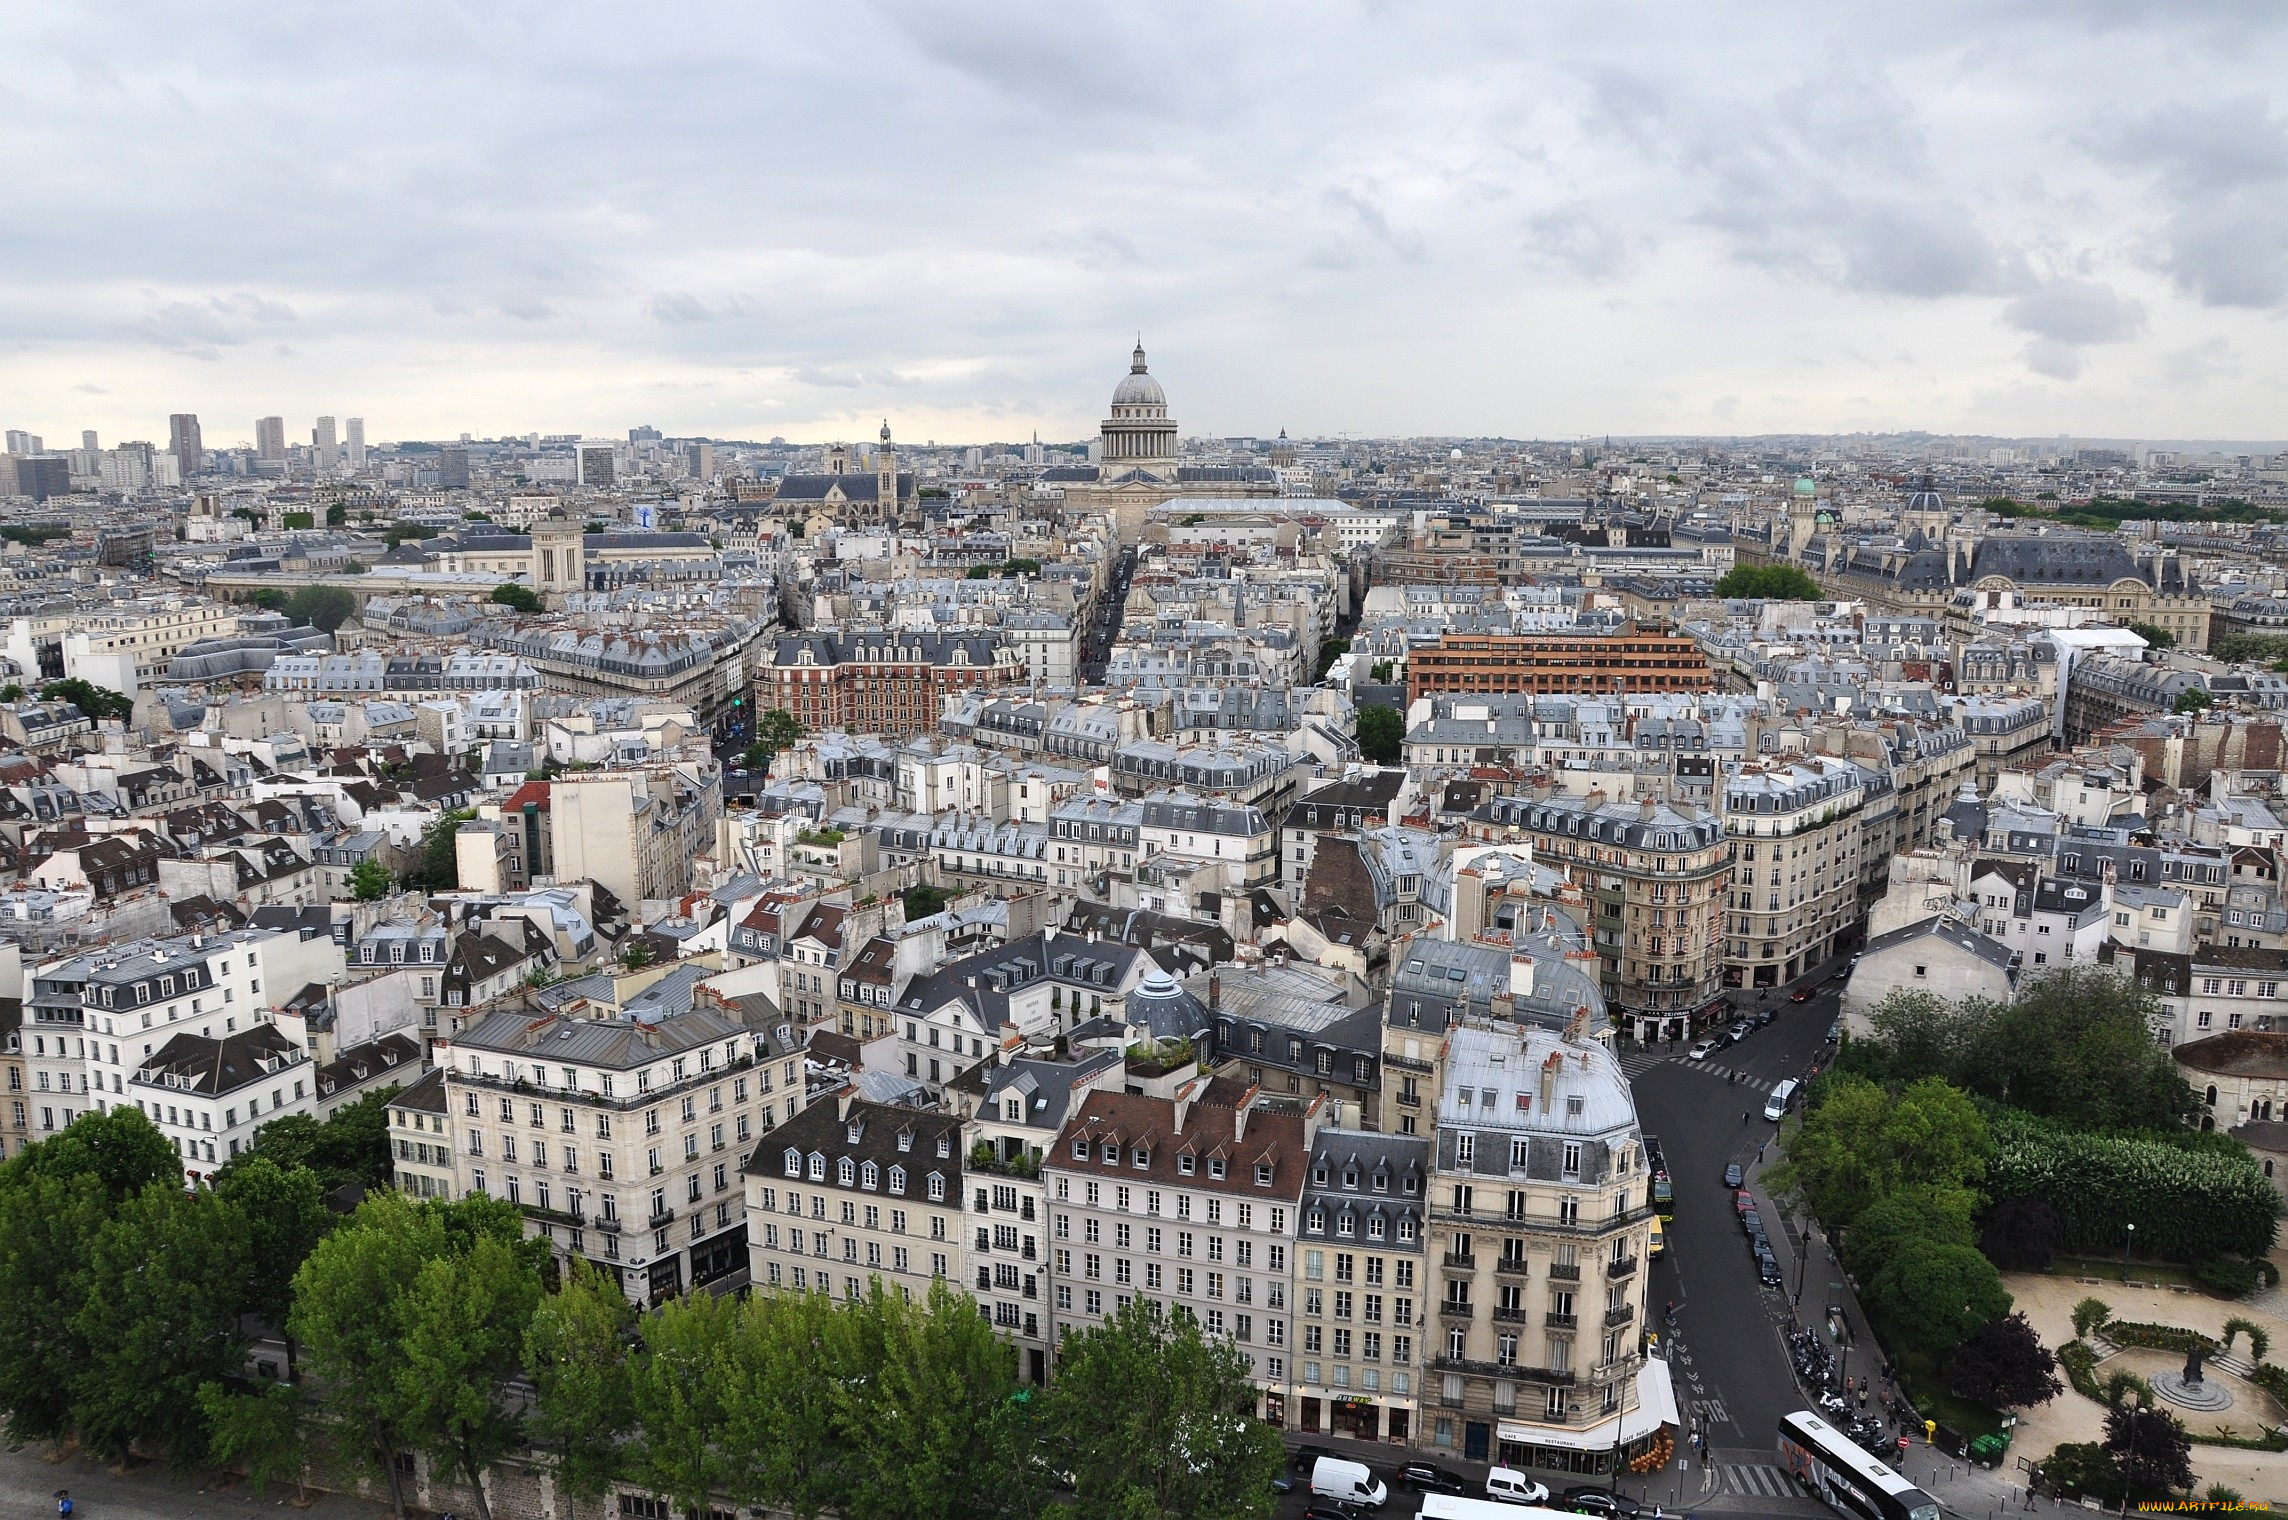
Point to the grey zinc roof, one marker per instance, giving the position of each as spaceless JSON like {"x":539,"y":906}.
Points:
{"x":620,"y":1043}
{"x":1962,"y":936}
{"x":1045,"y":1086}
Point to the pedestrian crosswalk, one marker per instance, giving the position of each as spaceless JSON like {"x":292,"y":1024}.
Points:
{"x":1636,"y":1063}
{"x":1758,"y":1480}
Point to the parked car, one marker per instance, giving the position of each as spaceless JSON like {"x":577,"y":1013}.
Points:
{"x":1733,"y":1175}
{"x":1742,"y":1201}
{"x":1765,"y":1016}
{"x":1589,"y":1500}
{"x":1801,"y":994}
{"x":1327,"y":1509}
{"x":1742,"y":1030}
{"x":1429,"y":1478}
{"x":1307,"y":1457}
{"x":1703,"y":1049}
{"x":1768,"y":1270}
{"x":1751,"y":1222}
{"x":1282,"y":1484}
{"x":1347,"y":1482}
{"x":1506,"y":1485}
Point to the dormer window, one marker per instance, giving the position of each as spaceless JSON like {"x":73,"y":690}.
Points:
{"x":869,"y":1176}
{"x":817,"y":1166}
{"x":1350,"y":1179}
{"x":793,"y":1162}
{"x":1262,"y":1174}
{"x":1112,"y":1153}
{"x":1316,"y":1222}
{"x":845,"y":1171}
{"x":1374,"y":1227}
{"x":852,"y":1131}
{"x":1319,"y":1176}
{"x":1080,"y":1149}
{"x":1184,"y":1164}
{"x":905,"y":1139}
{"x":898,"y":1181}
{"x":936,"y":1187}
{"x":944,"y":1147}
{"x":1215,"y":1167}
{"x":1346,"y":1225}
{"x":1141,"y":1157}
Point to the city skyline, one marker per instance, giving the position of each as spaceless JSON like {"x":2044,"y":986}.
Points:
{"x":1471,"y":224}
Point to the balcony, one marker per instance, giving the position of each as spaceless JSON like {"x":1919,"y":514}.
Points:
{"x":1561,"y":1321}
{"x":1514,"y":1266}
{"x":1461,"y":1262}
{"x":1557,"y":1375}
{"x":1563,"y":1273}
{"x":1515,"y":1316}
{"x":608,"y":1226}
{"x":660,"y":1217}
{"x":1454,"y":1308}
{"x":1622,"y":1268}
{"x":1620,"y":1316}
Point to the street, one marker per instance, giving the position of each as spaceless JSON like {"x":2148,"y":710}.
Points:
{"x":28,"y":1483}
{"x":1732,"y":1372}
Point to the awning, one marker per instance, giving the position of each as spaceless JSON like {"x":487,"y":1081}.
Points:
{"x":1655,"y":1407}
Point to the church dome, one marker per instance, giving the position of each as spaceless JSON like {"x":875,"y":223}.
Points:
{"x":1138,"y":388}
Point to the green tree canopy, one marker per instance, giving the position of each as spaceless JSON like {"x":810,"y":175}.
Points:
{"x":1933,"y":1295}
{"x":1146,"y":1413}
{"x":322,"y":607}
{"x":2077,"y":1045}
{"x":96,"y":701}
{"x":465,"y":1318}
{"x":577,"y":1348}
{"x":1859,"y":1143}
{"x":1772,"y":583}
{"x":1381,"y":733}
{"x":775,"y":729}
{"x":2151,"y":1446}
{"x":370,"y":881}
{"x":2159,"y":638}
{"x":516,"y":598}
{"x":2193,"y":699}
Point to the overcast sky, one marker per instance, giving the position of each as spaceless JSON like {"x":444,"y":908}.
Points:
{"x":2030,"y":218}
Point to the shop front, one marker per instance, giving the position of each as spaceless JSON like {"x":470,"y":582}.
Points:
{"x":1634,"y":1438}
{"x":1353,"y":1419}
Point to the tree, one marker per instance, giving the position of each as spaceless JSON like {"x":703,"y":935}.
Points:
{"x":1145,"y":1414}
{"x":1912,"y":1213}
{"x":678,"y":1390}
{"x":370,"y":881}
{"x":1771,"y":583}
{"x":285,"y":1215}
{"x":264,"y":1434}
{"x":47,"y":1225}
{"x":577,"y":1349}
{"x":1330,"y":650}
{"x":775,"y":729}
{"x":636,"y":955}
{"x":123,"y":1151}
{"x":516,"y":598}
{"x":337,"y":515}
{"x":95,"y":701}
{"x":934,"y":1433}
{"x":440,"y":868}
{"x":2020,"y":1235}
{"x":295,"y":522}
{"x":2091,"y":1314}
{"x":165,"y":1283}
{"x":778,"y":1407}
{"x":1933,"y":1294}
{"x":2004,"y":1366}
{"x":2159,"y":638}
{"x":2154,"y":1452}
{"x":324,"y":608}
{"x":2193,"y":699}
{"x":1381,"y":733}
{"x":1858,"y":1143}
{"x":348,"y":1315}
{"x":349,"y":1146}
{"x":465,"y":1319}
{"x":11,"y":693}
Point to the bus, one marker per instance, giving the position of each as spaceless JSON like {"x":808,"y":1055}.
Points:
{"x":1834,"y":1467}
{"x":1455,"y":1507}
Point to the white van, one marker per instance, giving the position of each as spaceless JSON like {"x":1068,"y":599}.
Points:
{"x":1347,"y":1482}
{"x":1506,"y":1485}
{"x":1775,"y":1107}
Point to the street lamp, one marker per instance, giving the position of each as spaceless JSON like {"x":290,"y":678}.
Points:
{"x":2126,"y":1244}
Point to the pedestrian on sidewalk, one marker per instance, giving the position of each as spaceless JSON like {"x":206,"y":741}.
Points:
{"x":1759,"y":1155}
{"x":1743,"y":1118}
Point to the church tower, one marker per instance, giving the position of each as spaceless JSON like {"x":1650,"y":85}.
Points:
{"x":1803,"y":516}
{"x":886,"y":478}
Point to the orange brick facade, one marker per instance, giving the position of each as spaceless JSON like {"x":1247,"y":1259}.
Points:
{"x":1557,"y":663}
{"x":891,"y":684}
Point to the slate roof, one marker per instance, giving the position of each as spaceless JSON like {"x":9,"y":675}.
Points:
{"x":212,"y":1068}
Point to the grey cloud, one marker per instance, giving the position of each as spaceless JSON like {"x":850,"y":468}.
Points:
{"x":1573,"y":239}
{"x":2059,"y":361}
{"x":2076,"y":311}
{"x":200,"y":328}
{"x":678,"y":308}
{"x":1406,"y":242}
{"x":2221,"y":166}
{"x":527,"y":309}
{"x":90,"y":388}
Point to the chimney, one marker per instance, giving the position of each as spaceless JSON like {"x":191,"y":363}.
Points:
{"x":1215,"y":991}
{"x":1549,"y":1069}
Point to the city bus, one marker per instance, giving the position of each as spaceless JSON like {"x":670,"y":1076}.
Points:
{"x":1455,"y":1507}
{"x":1834,"y":1467}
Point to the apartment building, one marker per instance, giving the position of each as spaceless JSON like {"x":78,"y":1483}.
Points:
{"x":1539,"y":1221}
{"x":1794,"y":831}
{"x":635,"y":832}
{"x":1189,"y":1200}
{"x":1481,"y":663}
{"x":618,"y":1137}
{"x":882,"y":682}
{"x":421,"y":1138}
{"x":210,"y":1096}
{"x":850,"y":1192}
{"x":1657,"y":876}
{"x":1014,"y":1112}
{"x":1360,"y":1286}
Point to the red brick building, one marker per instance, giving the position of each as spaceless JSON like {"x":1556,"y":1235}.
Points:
{"x":1558,"y":663}
{"x":884,"y":681}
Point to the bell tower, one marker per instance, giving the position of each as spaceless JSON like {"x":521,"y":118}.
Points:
{"x":886,"y":477}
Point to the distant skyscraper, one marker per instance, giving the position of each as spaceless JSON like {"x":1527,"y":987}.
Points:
{"x":645,"y":434}
{"x":324,"y":453}
{"x":356,"y":426}
{"x":453,"y":467}
{"x":20,"y":442}
{"x":270,"y":438}
{"x":42,"y":476}
{"x":87,"y":440}
{"x":183,"y":442}
{"x":595,"y":464}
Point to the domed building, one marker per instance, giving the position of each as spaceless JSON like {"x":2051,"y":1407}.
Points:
{"x":1139,"y":435}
